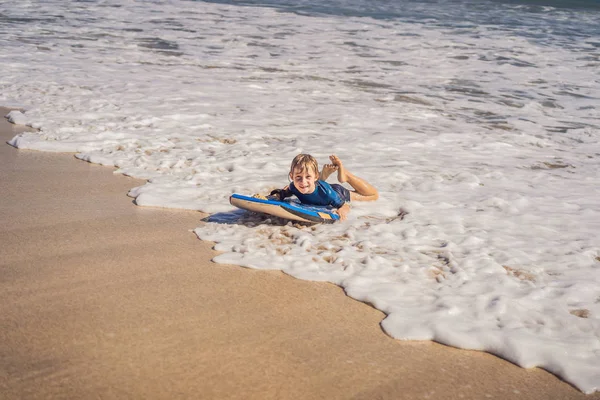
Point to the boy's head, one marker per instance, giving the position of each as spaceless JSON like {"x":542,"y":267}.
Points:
{"x":304,"y":172}
{"x":305,"y":162}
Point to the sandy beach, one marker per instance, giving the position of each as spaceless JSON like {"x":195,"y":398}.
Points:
{"x":91,"y":308}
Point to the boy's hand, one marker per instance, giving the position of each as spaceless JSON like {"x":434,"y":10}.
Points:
{"x":343,"y":211}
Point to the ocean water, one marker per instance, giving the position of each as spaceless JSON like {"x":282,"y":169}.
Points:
{"x":478,"y":121}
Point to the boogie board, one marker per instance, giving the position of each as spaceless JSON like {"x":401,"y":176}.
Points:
{"x":287,"y":209}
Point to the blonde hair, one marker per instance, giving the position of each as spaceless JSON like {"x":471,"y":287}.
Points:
{"x":304,"y":162}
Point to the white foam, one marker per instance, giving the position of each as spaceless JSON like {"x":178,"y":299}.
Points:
{"x":485,"y":236}
{"x":16,"y":117}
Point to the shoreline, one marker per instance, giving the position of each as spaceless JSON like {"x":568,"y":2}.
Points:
{"x":101,"y":298}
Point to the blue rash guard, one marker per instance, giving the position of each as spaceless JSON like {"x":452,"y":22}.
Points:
{"x":324,"y":195}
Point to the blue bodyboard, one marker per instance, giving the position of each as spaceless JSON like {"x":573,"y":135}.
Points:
{"x":288,"y":209}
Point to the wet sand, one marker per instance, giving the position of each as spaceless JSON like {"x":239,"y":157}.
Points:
{"x":102,"y":299}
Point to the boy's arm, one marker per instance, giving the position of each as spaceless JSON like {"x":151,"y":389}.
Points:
{"x":343,"y":211}
{"x":281,"y":194}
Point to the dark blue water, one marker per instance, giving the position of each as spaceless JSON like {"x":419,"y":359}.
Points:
{"x":541,"y":18}
{"x":564,"y":4}
{"x":412,"y":8}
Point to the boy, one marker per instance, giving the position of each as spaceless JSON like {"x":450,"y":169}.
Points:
{"x":309,"y":186}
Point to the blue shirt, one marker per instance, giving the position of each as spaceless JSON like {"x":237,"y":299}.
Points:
{"x":324,"y":195}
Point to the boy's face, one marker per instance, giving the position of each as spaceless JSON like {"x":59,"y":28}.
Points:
{"x":304,"y":179}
